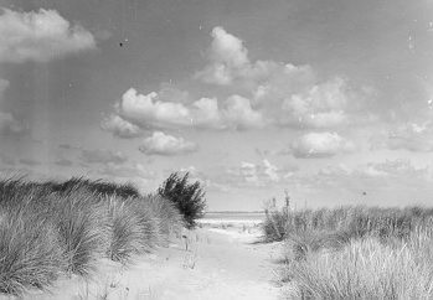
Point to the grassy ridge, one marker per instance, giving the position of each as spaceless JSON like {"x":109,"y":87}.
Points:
{"x":355,"y":252}
{"x":51,"y":229}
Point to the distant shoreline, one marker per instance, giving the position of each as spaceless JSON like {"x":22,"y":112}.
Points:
{"x":234,"y":212}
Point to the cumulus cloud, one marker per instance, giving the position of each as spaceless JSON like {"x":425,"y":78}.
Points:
{"x":229,"y":63}
{"x":321,"y":106}
{"x":258,"y":94}
{"x":320,"y":145}
{"x":103,"y":157}
{"x":206,"y":114}
{"x":120,"y":127}
{"x":241,"y":115}
{"x":228,"y":56}
{"x":40,"y":36}
{"x":287,"y":95}
{"x":149,"y":111}
{"x":163,"y":144}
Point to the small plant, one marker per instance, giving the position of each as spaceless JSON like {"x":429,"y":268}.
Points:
{"x":187,"y":197}
{"x":275,"y":224}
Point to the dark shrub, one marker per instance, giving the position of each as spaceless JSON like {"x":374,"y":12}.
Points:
{"x":187,"y":197}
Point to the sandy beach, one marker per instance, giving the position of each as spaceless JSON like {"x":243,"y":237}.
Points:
{"x":204,"y":264}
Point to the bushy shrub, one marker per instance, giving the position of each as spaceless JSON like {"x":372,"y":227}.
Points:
{"x":187,"y":197}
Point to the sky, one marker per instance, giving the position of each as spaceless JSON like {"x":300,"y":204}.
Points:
{"x":329,"y":101}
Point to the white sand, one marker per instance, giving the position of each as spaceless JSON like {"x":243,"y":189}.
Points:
{"x":218,"y":265}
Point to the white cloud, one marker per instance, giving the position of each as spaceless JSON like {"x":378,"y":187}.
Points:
{"x":146,"y":109}
{"x":206,"y":114}
{"x":271,"y":170}
{"x":319,"y":145}
{"x":163,"y":144}
{"x":40,"y":36}
{"x":240,"y":114}
{"x":170,"y":93}
{"x":258,"y":94}
{"x":103,"y":157}
{"x":120,"y":127}
{"x":227,"y":55}
{"x":321,"y":106}
{"x":286,"y":95}
{"x":150,"y":112}
{"x":228,"y":63}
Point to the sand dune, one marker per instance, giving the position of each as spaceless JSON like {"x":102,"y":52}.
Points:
{"x":204,"y":264}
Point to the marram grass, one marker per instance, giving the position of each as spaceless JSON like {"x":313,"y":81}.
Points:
{"x":355,"y":252}
{"x":53,"y":229}
{"x":363,"y":269}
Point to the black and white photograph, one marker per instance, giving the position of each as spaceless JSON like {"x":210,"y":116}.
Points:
{"x":216,"y":149}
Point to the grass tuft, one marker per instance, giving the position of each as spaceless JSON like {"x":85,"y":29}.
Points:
{"x":355,"y":252}
{"x":53,"y":228}
{"x":31,"y":255}
{"x":363,"y":269}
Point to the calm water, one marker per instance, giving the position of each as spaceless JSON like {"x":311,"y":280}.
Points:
{"x":233,"y":217}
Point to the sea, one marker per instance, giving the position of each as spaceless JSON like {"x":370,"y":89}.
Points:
{"x":234,"y":218}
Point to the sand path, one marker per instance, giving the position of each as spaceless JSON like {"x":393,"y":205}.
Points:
{"x":218,"y":265}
